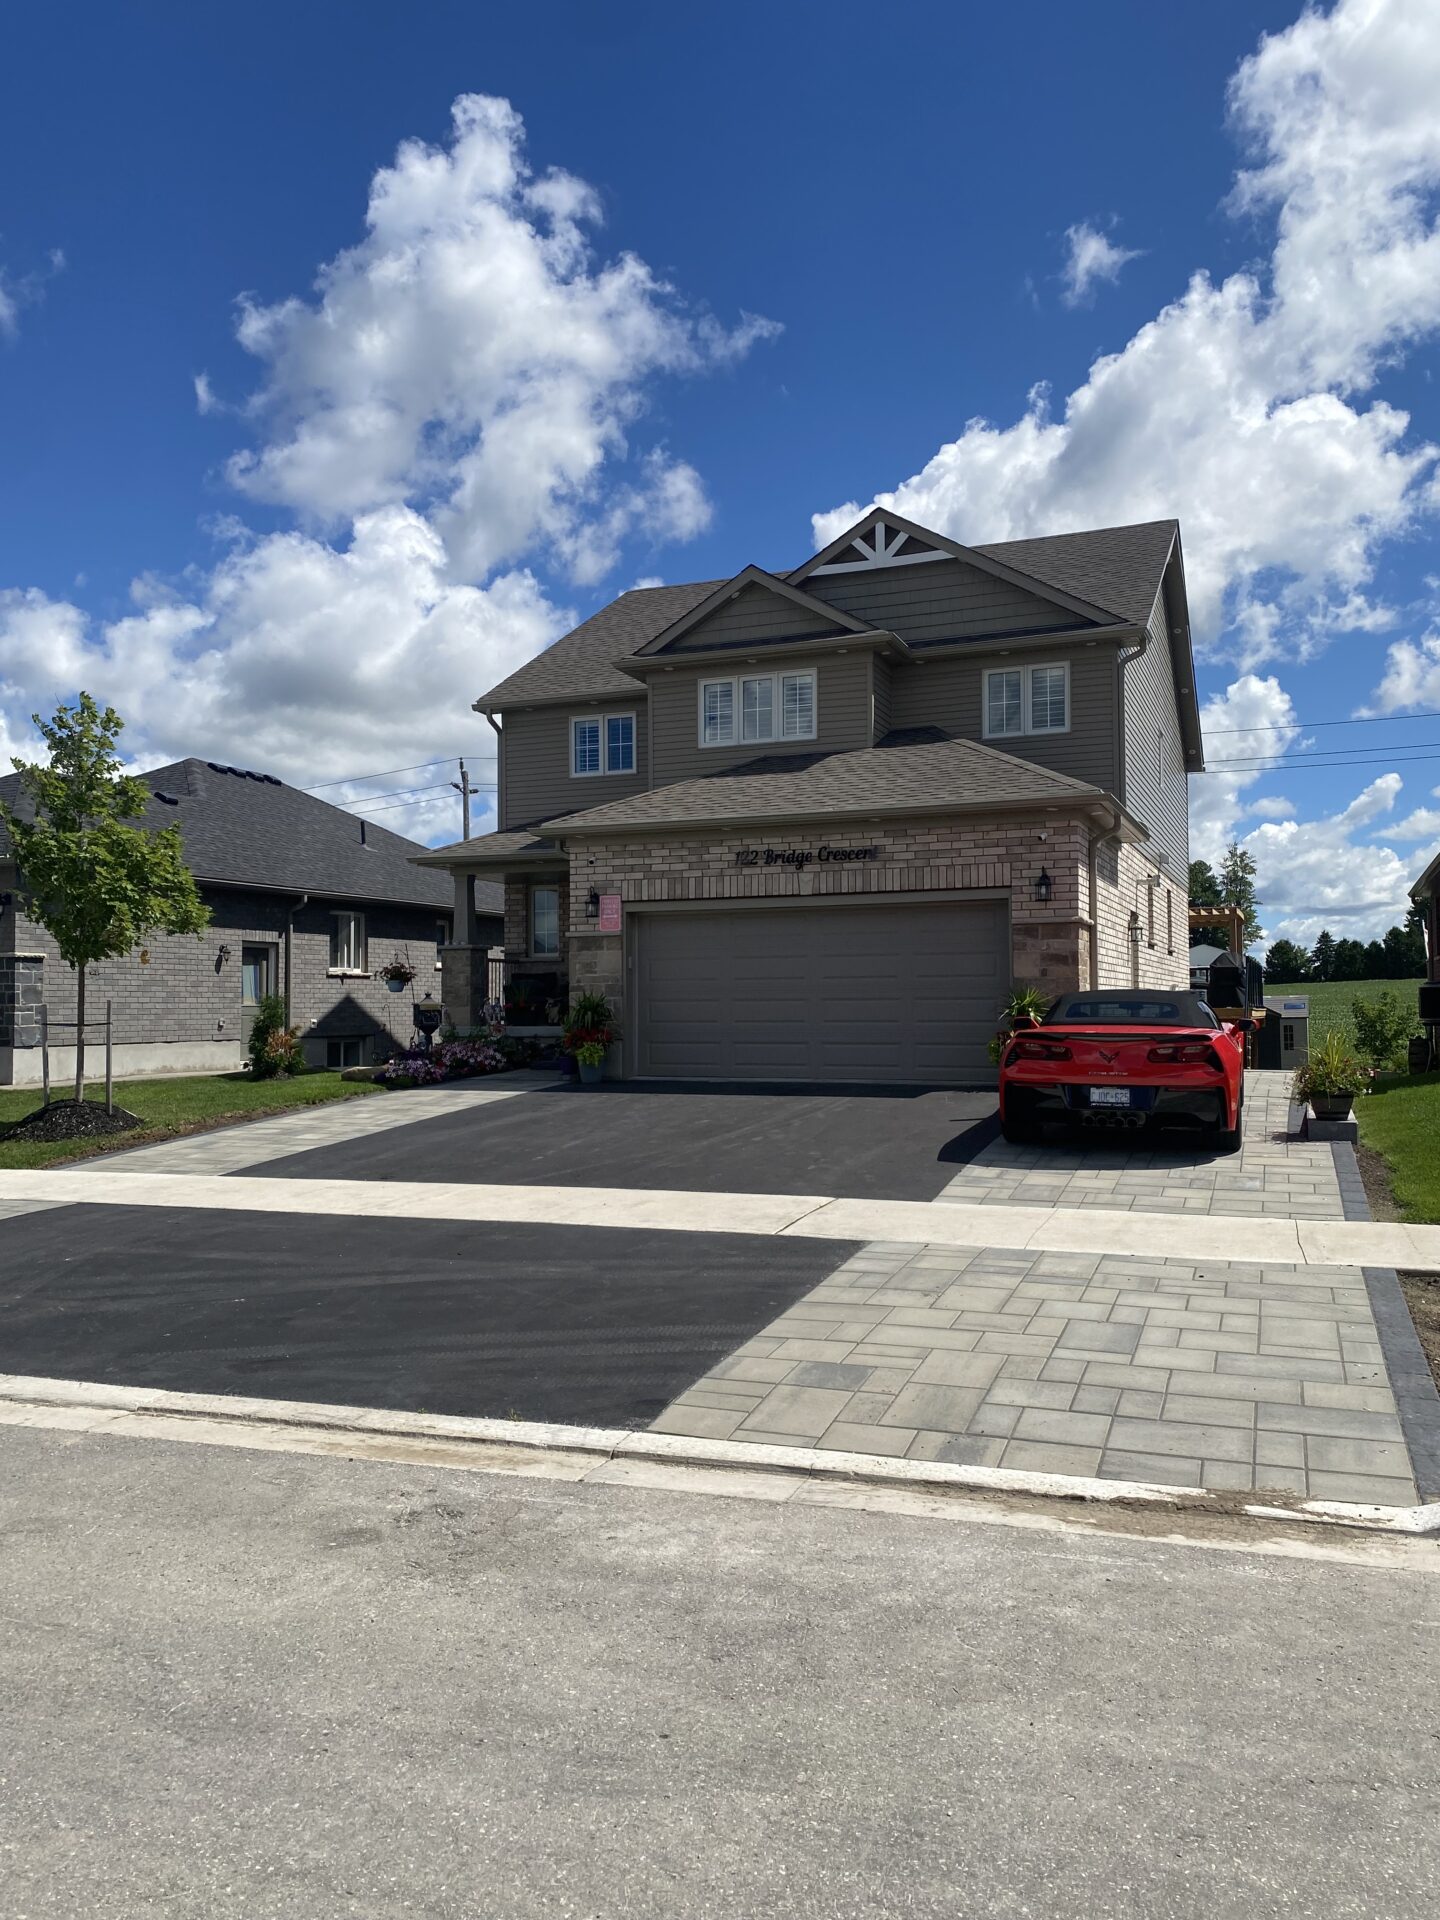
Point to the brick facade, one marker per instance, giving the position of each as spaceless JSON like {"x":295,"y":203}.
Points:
{"x":1125,"y":896}
{"x":176,"y":1001}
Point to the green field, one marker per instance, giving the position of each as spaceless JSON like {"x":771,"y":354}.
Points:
{"x":1330,"y":1000}
{"x":169,"y":1107}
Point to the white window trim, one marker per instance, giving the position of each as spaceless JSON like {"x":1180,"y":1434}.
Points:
{"x":1025,"y":729}
{"x":362,"y":972}
{"x":777,"y":708}
{"x":602,"y":720}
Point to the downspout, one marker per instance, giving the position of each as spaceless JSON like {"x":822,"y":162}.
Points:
{"x":290,"y":912}
{"x":1123,"y":657}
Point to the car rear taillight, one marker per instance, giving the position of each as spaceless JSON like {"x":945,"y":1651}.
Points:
{"x":1039,"y":1050}
{"x":1185,"y":1053}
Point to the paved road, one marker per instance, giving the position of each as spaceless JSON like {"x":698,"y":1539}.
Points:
{"x":547,"y":1323}
{"x":253,"y":1687}
{"x":873,"y":1145}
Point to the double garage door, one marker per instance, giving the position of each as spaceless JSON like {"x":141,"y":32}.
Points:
{"x":891,"y":992}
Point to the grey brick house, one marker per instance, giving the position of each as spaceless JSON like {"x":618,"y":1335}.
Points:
{"x":306,"y":900}
{"x":814,"y":825}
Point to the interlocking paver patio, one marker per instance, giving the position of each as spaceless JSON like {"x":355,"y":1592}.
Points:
{"x":1090,"y":1375}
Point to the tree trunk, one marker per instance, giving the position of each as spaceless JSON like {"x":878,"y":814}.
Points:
{"x":80,"y":1033}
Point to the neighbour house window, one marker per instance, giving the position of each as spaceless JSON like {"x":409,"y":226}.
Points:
{"x":1287,"y":1038}
{"x":544,"y":921}
{"x":344,"y":1053}
{"x":602,"y":743}
{"x":1021,"y":700}
{"x":1150,"y":916}
{"x":1169,"y":921}
{"x":347,"y":943}
{"x":442,"y":939}
{"x":254,"y":975}
{"x":771,"y":706}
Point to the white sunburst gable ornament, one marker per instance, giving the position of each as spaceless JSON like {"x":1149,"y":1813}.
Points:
{"x":880,"y":547}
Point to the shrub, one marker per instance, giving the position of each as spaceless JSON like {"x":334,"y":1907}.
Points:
{"x":1384,"y":1028}
{"x":590,"y":1023}
{"x":275,"y":1050}
{"x":1025,"y":1003}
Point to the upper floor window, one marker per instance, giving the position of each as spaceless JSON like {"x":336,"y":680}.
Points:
{"x":602,"y":743}
{"x":757,"y":707}
{"x":347,"y":942}
{"x":1021,"y":700}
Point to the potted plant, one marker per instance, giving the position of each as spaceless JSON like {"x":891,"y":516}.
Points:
{"x":397,"y":973}
{"x":590,"y":1059}
{"x":1022,"y":1009}
{"x":589,"y":1031}
{"x":1331,"y":1078}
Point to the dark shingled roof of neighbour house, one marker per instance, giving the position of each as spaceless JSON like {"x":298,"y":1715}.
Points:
{"x":1118,"y":569}
{"x":246,"y":829}
{"x":514,"y":845}
{"x":909,"y":776}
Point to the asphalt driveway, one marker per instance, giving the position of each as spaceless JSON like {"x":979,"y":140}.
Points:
{"x":872,"y":1144}
{"x":535,"y":1322}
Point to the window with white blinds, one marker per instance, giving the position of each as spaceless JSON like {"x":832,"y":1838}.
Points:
{"x":757,"y":707}
{"x":1024,"y":700}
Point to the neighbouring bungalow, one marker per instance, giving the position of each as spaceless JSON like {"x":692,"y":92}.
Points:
{"x":306,"y":900}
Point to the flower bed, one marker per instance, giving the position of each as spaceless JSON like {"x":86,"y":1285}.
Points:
{"x":457,"y":1059}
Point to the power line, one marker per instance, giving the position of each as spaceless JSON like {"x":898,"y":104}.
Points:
{"x":400,"y":793}
{"x":1358,"y":720}
{"x":1355,"y":759}
{"x":351,"y":779}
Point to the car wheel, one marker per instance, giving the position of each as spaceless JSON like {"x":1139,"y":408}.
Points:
{"x":1020,"y":1133}
{"x":1228,"y":1139}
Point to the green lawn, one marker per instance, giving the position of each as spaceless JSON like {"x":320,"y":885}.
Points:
{"x":1401,"y":1121}
{"x":169,"y":1107}
{"x":1330,"y":1000}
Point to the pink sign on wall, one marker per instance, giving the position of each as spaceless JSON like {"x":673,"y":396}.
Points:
{"x":609,"y":913}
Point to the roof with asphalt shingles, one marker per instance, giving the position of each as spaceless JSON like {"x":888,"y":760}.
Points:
{"x":923,"y":777}
{"x":245,"y":829}
{"x":1117,"y":568}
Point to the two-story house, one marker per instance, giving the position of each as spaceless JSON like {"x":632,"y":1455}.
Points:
{"x":815,"y":825}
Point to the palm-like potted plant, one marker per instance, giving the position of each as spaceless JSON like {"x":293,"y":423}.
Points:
{"x":1331,"y":1078}
{"x":1022,"y":1009}
{"x":589,"y":1031}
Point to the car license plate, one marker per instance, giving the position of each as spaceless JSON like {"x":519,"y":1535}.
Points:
{"x":1109,"y":1096}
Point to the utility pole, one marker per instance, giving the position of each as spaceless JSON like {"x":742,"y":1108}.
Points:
{"x":463,"y":787}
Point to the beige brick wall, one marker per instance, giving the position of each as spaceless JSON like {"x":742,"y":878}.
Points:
{"x":1160,"y":958}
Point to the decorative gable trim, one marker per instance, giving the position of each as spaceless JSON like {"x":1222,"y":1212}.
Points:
{"x":883,"y":545}
{"x":834,"y":621}
{"x":886,"y":539}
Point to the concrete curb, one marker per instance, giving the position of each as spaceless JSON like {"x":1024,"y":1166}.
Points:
{"x":679,"y":1450}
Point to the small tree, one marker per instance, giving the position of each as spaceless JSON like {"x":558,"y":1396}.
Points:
{"x":1323,"y":956}
{"x":97,"y":885}
{"x":1384,"y":1028}
{"x":1204,"y":887}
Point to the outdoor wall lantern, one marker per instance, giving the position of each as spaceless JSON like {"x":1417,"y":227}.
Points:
{"x":1135,"y":929}
{"x":592,"y":905}
{"x":1044,"y":887}
{"x":222,"y":955}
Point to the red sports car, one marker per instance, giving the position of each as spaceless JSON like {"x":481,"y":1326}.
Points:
{"x":1120,"y":1059}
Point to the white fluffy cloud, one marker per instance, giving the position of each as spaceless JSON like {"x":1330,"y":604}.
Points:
{"x":1252,"y":720}
{"x":1412,"y":677}
{"x":458,"y":401}
{"x":310,"y":660}
{"x":1239,"y":407}
{"x":1311,"y":874}
{"x":1090,"y":259}
{"x":24,"y":292}
{"x":470,"y":356}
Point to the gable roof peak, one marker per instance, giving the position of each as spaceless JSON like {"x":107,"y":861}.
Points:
{"x":752,"y":576}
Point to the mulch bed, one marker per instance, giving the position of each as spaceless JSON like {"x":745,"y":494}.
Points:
{"x":71,"y":1120}
{"x":1421,"y":1290}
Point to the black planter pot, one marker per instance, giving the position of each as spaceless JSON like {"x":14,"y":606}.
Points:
{"x":1332,"y":1106}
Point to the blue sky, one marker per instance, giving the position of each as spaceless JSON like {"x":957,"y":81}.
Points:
{"x":291,"y":483}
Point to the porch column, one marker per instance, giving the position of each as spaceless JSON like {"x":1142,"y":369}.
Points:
{"x":465,"y":932}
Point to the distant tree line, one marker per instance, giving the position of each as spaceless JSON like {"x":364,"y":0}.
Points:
{"x":1399,"y":956}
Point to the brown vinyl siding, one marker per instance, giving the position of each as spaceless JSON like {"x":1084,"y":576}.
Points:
{"x":940,"y":600}
{"x":1155,"y":789}
{"x":842,"y":718}
{"x":536,"y":781}
{"x":880,"y":692}
{"x":755,"y":616}
{"x":948,"y":693}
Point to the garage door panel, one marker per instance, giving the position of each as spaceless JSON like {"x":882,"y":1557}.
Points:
{"x":903,"y":991}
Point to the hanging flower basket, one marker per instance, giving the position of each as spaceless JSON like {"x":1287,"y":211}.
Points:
{"x":398,"y":974}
